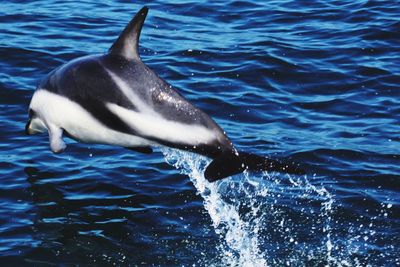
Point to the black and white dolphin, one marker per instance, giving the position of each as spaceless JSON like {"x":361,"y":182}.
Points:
{"x":116,"y":99}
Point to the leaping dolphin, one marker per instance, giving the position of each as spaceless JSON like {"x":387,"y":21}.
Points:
{"x":116,"y":99}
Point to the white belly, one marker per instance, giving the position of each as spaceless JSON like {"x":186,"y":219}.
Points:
{"x":59,"y":111}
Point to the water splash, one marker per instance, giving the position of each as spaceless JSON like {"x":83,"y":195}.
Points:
{"x":253,"y":216}
{"x":240,"y":245}
{"x":274,"y":219}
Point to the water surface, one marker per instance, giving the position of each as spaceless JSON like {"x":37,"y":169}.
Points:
{"x":317,"y":81}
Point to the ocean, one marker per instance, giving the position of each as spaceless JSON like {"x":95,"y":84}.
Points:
{"x":314,"y":81}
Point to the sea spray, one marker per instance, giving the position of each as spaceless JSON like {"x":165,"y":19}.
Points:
{"x":240,"y":247}
{"x":269,"y":219}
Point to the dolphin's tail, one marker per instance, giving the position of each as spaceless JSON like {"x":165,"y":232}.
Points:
{"x":230,"y":164}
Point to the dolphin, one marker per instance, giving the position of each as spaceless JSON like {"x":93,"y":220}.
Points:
{"x":115,"y":99}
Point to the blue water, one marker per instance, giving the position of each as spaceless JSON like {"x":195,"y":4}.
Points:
{"x":317,"y":81}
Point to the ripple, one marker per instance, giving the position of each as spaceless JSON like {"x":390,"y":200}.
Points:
{"x":316,"y":82}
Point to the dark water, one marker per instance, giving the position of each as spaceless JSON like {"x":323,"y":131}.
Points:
{"x":314,"y":80}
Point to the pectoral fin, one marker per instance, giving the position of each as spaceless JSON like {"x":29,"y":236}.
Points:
{"x":57,"y":144}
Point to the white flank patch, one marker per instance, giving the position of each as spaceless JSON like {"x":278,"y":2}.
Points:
{"x":150,"y":123}
{"x":129,"y":94}
{"x":153,"y":125}
{"x":58,"y":111}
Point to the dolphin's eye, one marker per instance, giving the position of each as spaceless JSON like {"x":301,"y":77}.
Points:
{"x":31,"y":113}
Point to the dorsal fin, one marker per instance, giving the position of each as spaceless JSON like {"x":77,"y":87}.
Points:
{"x":127,"y":44}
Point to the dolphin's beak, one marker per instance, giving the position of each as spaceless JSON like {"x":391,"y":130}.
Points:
{"x":28,"y":128}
